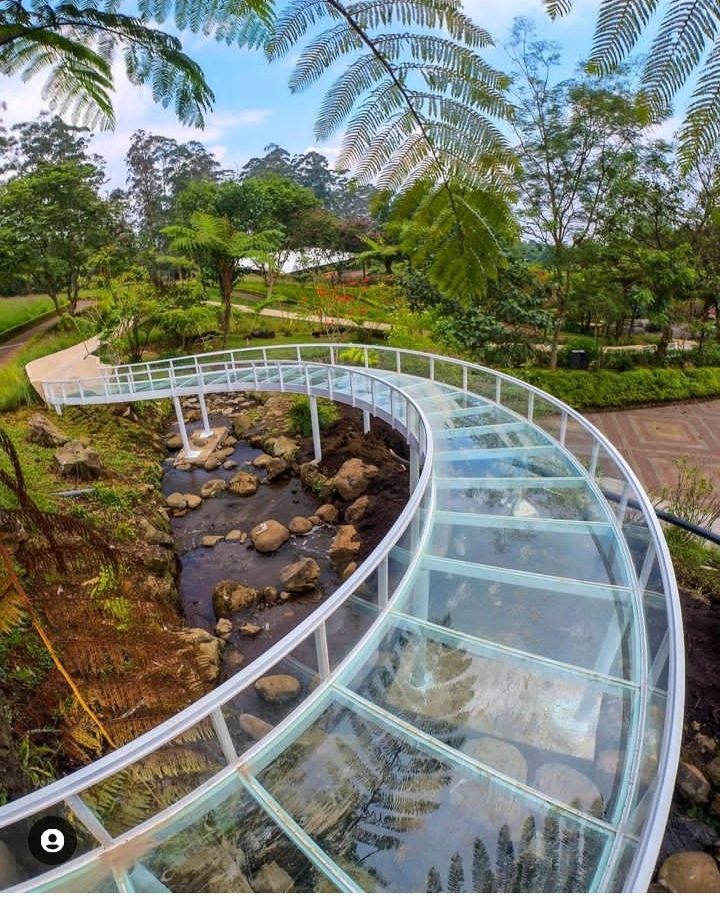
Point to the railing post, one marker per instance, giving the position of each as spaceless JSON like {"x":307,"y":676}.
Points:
{"x":432,"y":368}
{"x":89,"y":819}
{"x":563,"y":428}
{"x":594,"y":456}
{"x":531,"y":406}
{"x":321,"y":648}
{"x":207,"y":430}
{"x":280,"y":376}
{"x":398,"y":366}
{"x":366,"y":421}
{"x":332,"y":354}
{"x":190,"y":453}
{"x":465,"y":378}
{"x":223,"y":734}
{"x":366,"y":357}
{"x":498,"y":389}
{"x":315,"y":421}
{"x":414,"y":467}
{"x":383,"y":581}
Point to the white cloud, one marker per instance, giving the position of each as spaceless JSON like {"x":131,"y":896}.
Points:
{"x":497,"y":15}
{"x":330,"y":151}
{"x":665,"y":130}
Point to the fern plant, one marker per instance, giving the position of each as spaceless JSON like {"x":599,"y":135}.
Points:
{"x":686,"y":43}
{"x":419,"y":106}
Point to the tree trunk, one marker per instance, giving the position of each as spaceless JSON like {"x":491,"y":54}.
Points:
{"x":554,"y":346}
{"x":226,"y":286}
{"x":665,"y":339}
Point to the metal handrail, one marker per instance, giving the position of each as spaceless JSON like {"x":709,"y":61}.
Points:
{"x":650,"y":839}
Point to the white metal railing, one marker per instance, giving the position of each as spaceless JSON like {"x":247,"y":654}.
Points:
{"x":270,"y":368}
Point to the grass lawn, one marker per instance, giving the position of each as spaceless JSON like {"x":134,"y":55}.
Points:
{"x":15,"y":311}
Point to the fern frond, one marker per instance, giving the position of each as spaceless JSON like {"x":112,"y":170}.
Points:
{"x":700,"y":131}
{"x":557,"y":8}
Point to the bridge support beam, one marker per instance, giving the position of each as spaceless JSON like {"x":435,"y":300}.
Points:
{"x":315,"y":422}
{"x":366,"y":422}
{"x":190,"y":453}
{"x":207,"y":430}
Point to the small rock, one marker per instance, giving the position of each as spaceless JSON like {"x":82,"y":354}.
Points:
{"x":713,"y":772}
{"x":225,"y":452}
{"x":244,"y":484}
{"x":230,"y":596}
{"x":278,"y":688}
{"x":262,"y":460}
{"x":192,"y":501}
{"x":348,"y":570}
{"x":213,"y":487}
{"x":692,"y":784}
{"x":250,"y":630}
{"x":328,"y":513}
{"x":197,"y":438}
{"x":345,"y":546}
{"x":314,"y":480}
{"x":284,"y":596}
{"x":353,"y":478}
{"x":183,"y":466}
{"x":230,"y":440}
{"x":212,"y":462}
{"x":159,"y":589}
{"x":254,"y":727}
{"x":210,"y":540}
{"x":176,"y":501}
{"x":270,"y":596}
{"x":314,"y":520}
{"x":282,"y":447}
{"x":207,"y":650}
{"x":271,"y":878}
{"x":173,"y":442}
{"x":269,"y":536}
{"x":76,"y":460}
{"x":706,"y":744}
{"x":228,"y":464}
{"x":301,"y":576}
{"x":276,"y":468}
{"x":300,"y":525}
{"x":234,"y":658}
{"x":43,"y":432}
{"x":357,"y":509}
{"x":236,"y":536}
{"x":223,"y":628}
{"x":690,"y":872}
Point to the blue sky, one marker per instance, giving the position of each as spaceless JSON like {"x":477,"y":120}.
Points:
{"x":254,"y":106}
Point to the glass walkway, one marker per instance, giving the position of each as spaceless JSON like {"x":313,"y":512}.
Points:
{"x":492,"y":702}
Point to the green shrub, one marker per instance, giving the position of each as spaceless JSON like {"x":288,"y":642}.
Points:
{"x":356,"y":356}
{"x":300,"y":415}
{"x":581,"y":342}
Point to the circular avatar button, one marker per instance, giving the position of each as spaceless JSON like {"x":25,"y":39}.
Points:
{"x":52,"y":840}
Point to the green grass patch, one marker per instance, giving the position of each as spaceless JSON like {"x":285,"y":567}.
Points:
{"x":696,"y":563}
{"x":16,"y":311}
{"x":299,"y":415}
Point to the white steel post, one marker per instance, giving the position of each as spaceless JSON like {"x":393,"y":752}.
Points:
{"x":189,"y":451}
{"x":414,"y":467}
{"x":366,"y":422}
{"x":315,"y":421}
{"x":207,"y":430}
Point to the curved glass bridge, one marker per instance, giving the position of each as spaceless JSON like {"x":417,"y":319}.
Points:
{"x":492,"y":701}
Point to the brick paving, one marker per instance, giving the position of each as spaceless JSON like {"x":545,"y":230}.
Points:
{"x":652,"y":439}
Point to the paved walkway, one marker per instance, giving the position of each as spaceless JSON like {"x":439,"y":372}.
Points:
{"x":652,"y":439}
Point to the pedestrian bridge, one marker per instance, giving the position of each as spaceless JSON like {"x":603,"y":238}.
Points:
{"x":492,"y":701}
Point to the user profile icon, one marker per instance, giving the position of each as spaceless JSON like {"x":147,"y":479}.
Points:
{"x":52,"y":840}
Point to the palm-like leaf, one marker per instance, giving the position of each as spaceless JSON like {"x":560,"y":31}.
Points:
{"x":419,"y":106}
{"x":687,"y":42}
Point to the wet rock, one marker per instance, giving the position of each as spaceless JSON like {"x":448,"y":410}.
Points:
{"x":276,"y":468}
{"x":234,"y":658}
{"x":230,"y":440}
{"x":213,"y":487}
{"x":228,"y":464}
{"x":223,"y":628}
{"x":173,"y":442}
{"x":300,"y":525}
{"x":207,"y":651}
{"x":197,"y":438}
{"x":357,"y":509}
{"x":269,"y":536}
{"x":568,"y":785}
{"x":713,"y":772}
{"x":278,"y":688}
{"x":284,"y":596}
{"x":690,"y":872}
{"x":345,"y":546}
{"x":241,"y":423}
{"x":176,"y":501}
{"x":353,"y":478}
{"x":301,"y":576}
{"x":76,"y":460}
{"x":314,"y":520}
{"x":231,"y":596}
{"x":262,"y":460}
{"x":236,"y":536}
{"x":328,"y":513}
{"x":270,"y":596}
{"x":43,"y":432}
{"x":210,"y":540}
{"x":250,"y":630}
{"x":271,"y":878}
{"x":254,"y":727}
{"x":183,"y":466}
{"x":348,"y":570}
{"x":281,"y":447}
{"x":212,"y":462}
{"x":192,"y":500}
{"x":692,"y":784}
{"x":244,"y":484}
{"x":225,"y":452}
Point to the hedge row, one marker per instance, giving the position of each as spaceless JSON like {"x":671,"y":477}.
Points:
{"x":609,"y":389}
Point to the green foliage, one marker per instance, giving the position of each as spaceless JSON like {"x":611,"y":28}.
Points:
{"x":356,"y":356}
{"x":588,"y":344}
{"x":696,"y":564}
{"x":15,"y":311}
{"x":299,"y":415}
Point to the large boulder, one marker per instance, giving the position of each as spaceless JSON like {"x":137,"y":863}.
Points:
{"x":213,"y":487}
{"x":690,"y":872}
{"x":269,"y":536}
{"x":345,"y":546}
{"x":353,"y":478}
{"x":276,"y":468}
{"x":231,"y":596}
{"x":243,"y":484}
{"x":44,"y":433}
{"x":75,"y":460}
{"x":278,"y":688}
{"x":301,"y":576}
{"x":207,"y":651}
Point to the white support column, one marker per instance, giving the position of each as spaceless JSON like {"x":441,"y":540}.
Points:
{"x":189,"y":451}
{"x":414,"y":467}
{"x":207,"y":430}
{"x":366,"y":422}
{"x":315,"y":421}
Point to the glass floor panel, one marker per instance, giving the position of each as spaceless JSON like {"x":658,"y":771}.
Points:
{"x":399,"y":817}
{"x":490,"y":437}
{"x":561,"y":503}
{"x":593,"y":556}
{"x":539,"y":462}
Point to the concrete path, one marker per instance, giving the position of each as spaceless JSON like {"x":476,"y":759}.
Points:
{"x":652,"y":439}
{"x":308,"y":317}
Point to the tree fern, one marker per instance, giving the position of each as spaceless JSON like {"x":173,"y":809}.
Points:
{"x":686,"y":43}
{"x":419,"y":107}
